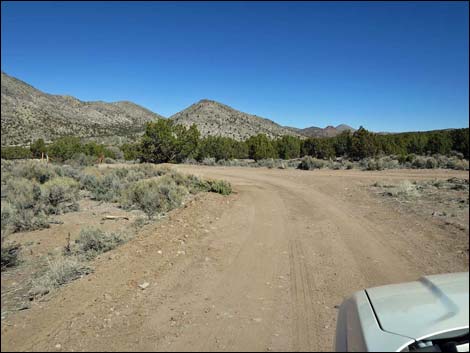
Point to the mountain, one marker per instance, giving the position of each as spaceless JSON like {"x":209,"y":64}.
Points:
{"x":213,"y":118}
{"x":329,"y":131}
{"x":29,"y":114}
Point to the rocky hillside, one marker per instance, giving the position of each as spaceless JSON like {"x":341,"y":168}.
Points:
{"x":213,"y":118}
{"x":329,"y":131}
{"x":29,"y":114}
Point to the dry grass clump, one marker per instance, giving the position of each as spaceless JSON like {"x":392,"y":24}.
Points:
{"x":59,"y":271}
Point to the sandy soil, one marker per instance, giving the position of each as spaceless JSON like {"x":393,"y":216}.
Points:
{"x":263,"y":269}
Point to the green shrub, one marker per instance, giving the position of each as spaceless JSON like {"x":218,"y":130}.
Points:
{"x":65,"y":148}
{"x":196,"y":184}
{"x":220,"y":186}
{"x":38,"y":148}
{"x":16,"y":152}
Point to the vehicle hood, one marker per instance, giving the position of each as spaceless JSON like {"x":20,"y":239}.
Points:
{"x":432,"y":305}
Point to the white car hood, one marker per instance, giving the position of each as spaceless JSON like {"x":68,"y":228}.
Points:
{"x":429,"y":306}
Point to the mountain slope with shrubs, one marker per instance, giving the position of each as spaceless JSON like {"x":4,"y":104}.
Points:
{"x":216,"y":119}
{"x":29,"y":114}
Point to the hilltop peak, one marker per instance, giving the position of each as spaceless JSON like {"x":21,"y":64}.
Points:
{"x":215,"y":118}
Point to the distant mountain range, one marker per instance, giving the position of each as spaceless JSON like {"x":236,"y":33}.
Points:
{"x":329,"y":131}
{"x":29,"y":114}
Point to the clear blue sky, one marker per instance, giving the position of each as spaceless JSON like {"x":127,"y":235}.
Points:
{"x":388,"y":66}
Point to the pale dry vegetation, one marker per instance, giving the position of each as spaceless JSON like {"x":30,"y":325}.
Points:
{"x":443,"y":200}
{"x":35,"y":194}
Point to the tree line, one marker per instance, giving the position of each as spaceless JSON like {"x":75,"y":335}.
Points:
{"x":165,"y":141}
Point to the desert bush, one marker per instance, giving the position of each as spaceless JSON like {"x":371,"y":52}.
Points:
{"x":105,"y":188}
{"x":108,"y":160}
{"x":33,"y":170}
{"x":348,"y":164}
{"x":209,"y":161}
{"x":61,"y":195}
{"x":267,"y":163}
{"x":336,"y":166}
{"x":81,"y":160}
{"x":431,"y":163}
{"x":196,"y":184}
{"x":59,"y":271}
{"x":93,"y":241}
{"x":9,"y":255}
{"x":456,"y":163}
{"x":114,"y":152}
{"x":22,"y":193}
{"x":191,"y":161}
{"x":88,"y":181}
{"x":456,"y":154}
{"x":154,"y":195}
{"x":381,"y":184}
{"x":271,"y":163}
{"x":442,"y":161}
{"x":66,"y":170}
{"x":23,"y":207}
{"x":372,"y":164}
{"x":220,"y":186}
{"x":28,"y":219}
{"x":149,"y":170}
{"x":404,"y":189}
{"x":419,"y":162}
{"x":8,"y":219}
{"x":237,"y":163}
{"x":140,"y":222}
{"x":310,"y":163}
{"x":389,"y":162}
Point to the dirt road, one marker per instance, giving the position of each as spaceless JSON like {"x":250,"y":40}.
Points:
{"x":263,"y":269}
